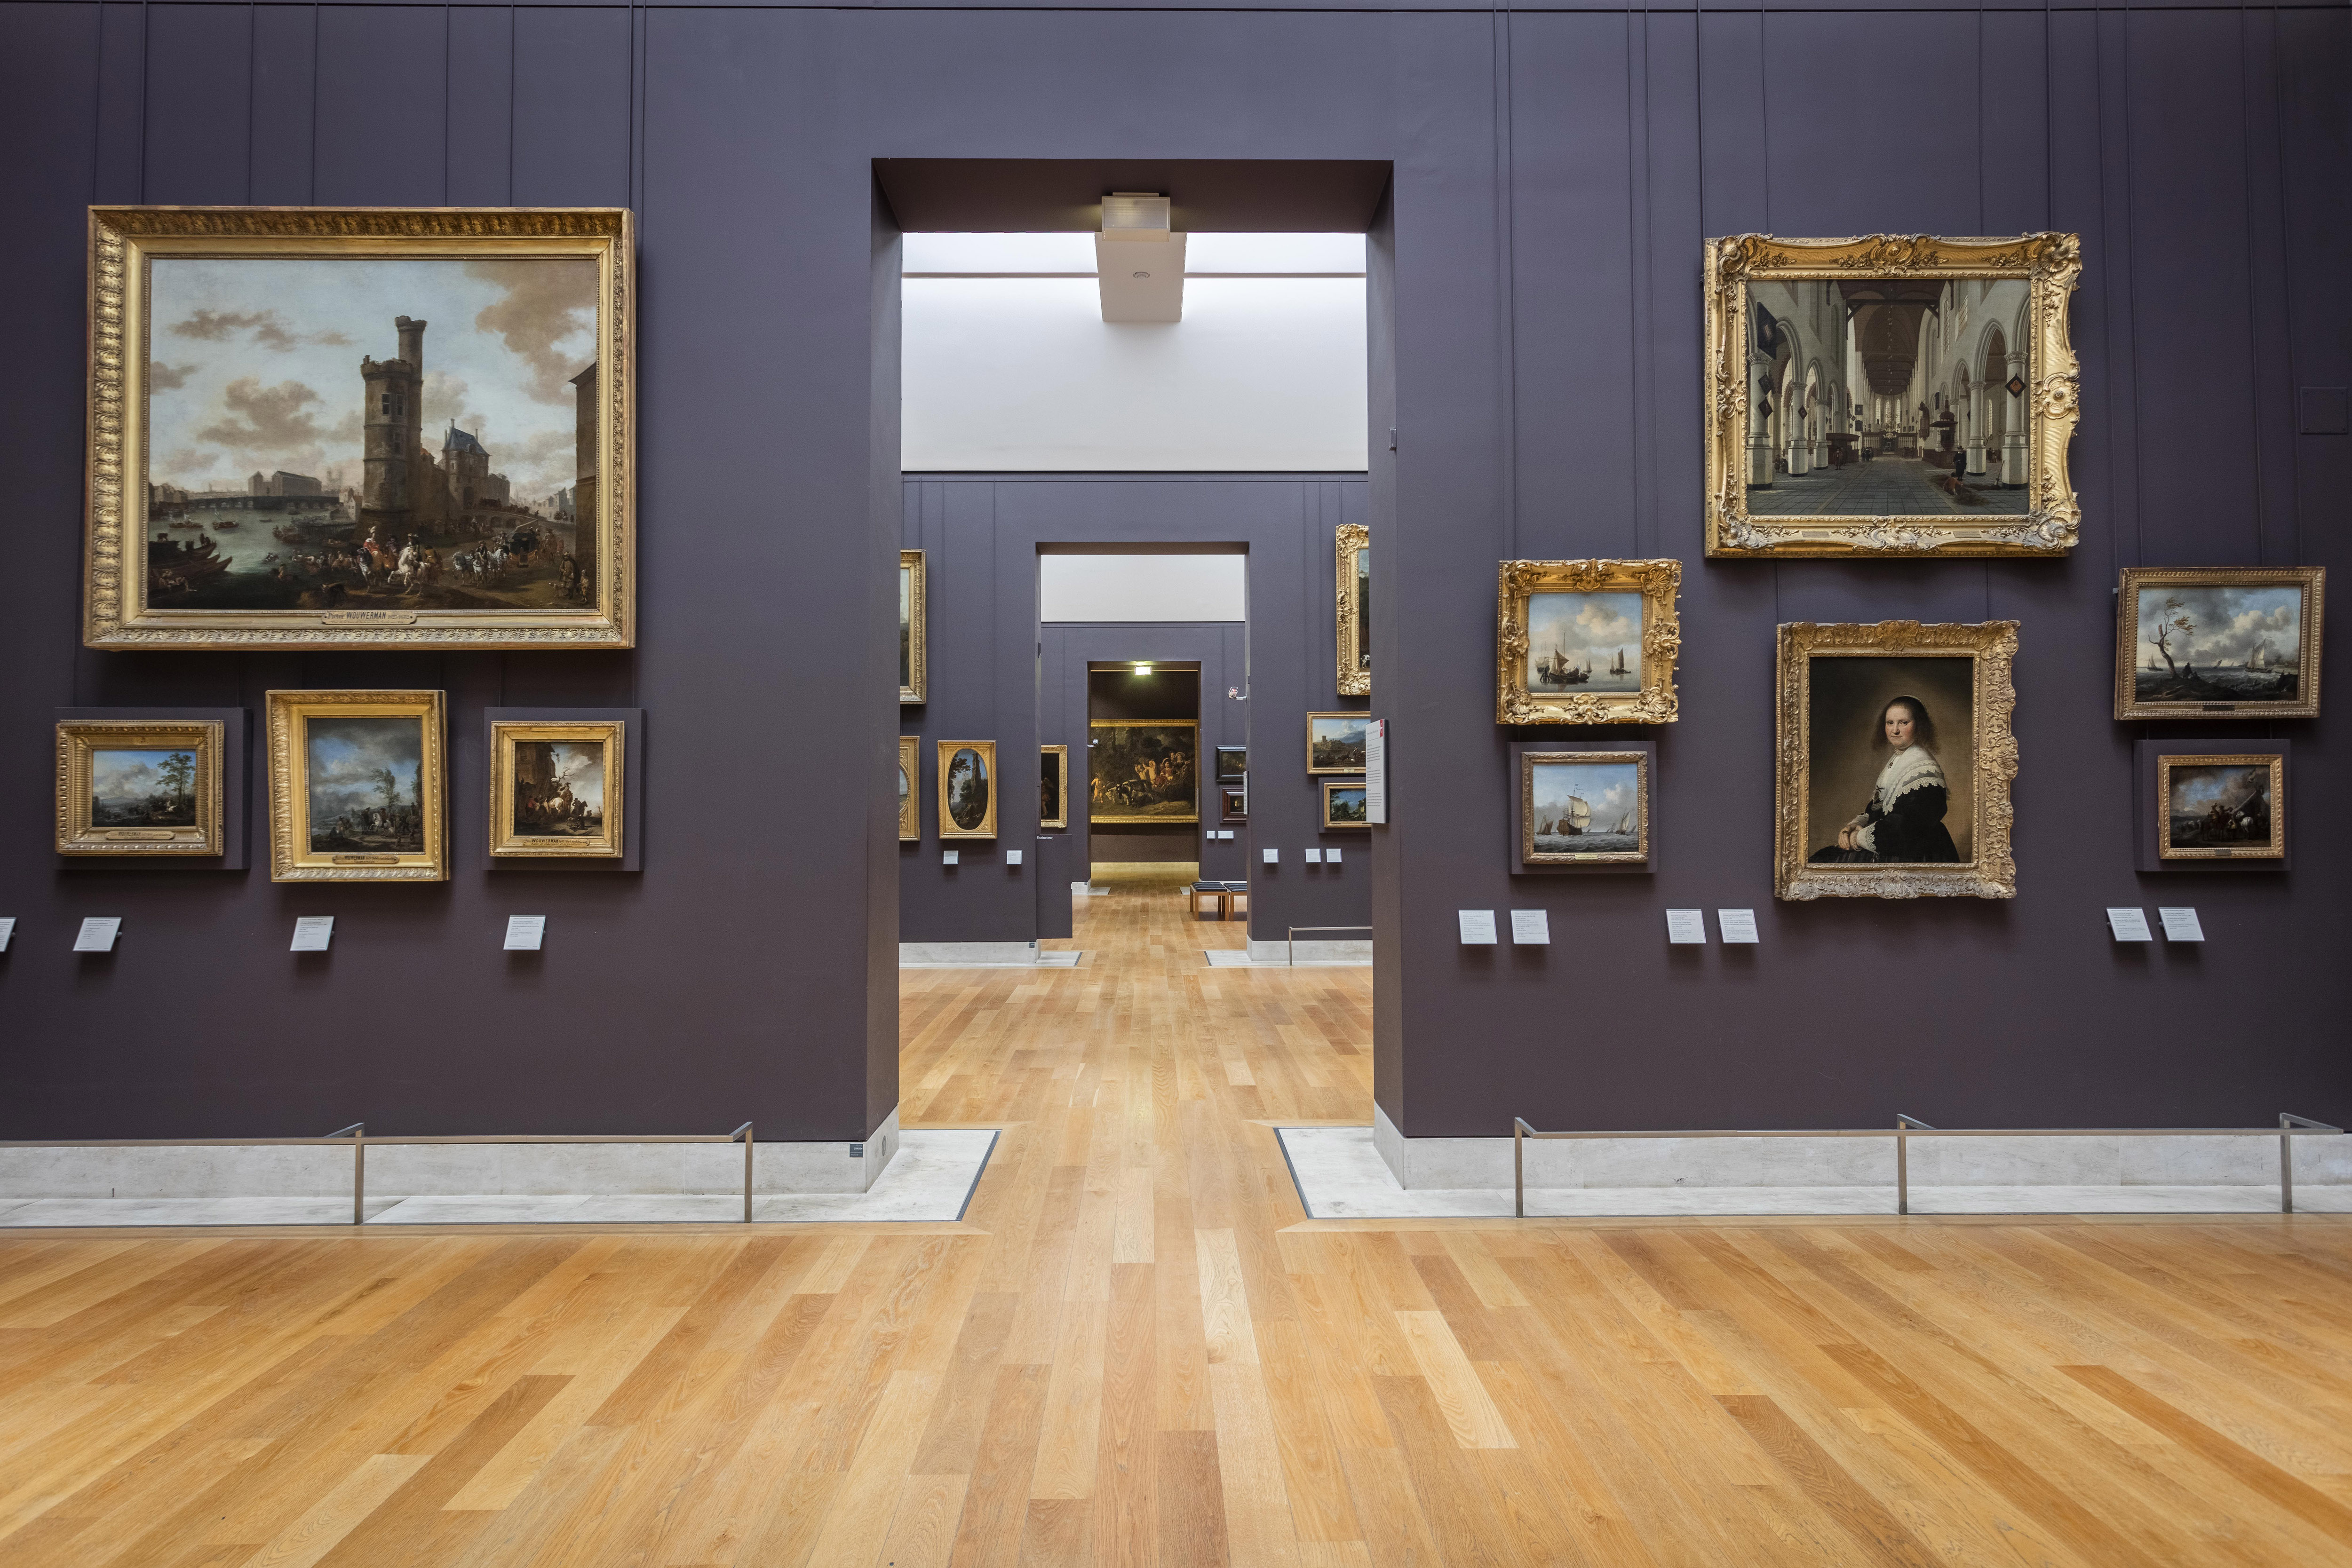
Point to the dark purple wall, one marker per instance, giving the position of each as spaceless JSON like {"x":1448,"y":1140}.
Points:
{"x":1536,"y":298}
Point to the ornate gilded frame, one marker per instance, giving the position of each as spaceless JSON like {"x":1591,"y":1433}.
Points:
{"x":1531,"y":858}
{"x":1101,"y":819}
{"x":123,"y":241}
{"x":79,"y":741}
{"x":912,"y":588}
{"x":1991,"y":647}
{"x":1657,"y":581}
{"x":2311,"y":580}
{"x":1327,"y":824}
{"x":505,"y":840}
{"x":1355,"y":716}
{"x":2050,"y":263}
{"x":290,"y":714}
{"x":987,"y":750}
{"x":1058,"y":756}
{"x":910,"y":809}
{"x":1355,"y":645}
{"x":2274,"y":760}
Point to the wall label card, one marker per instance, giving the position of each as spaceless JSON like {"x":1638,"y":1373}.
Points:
{"x":8,"y":929}
{"x":525,"y":932}
{"x":1477,"y":927}
{"x":98,"y":933}
{"x":1738,"y":925}
{"x":1314,"y":857}
{"x":1013,"y":857}
{"x":1331,"y":857}
{"x":1376,"y":772}
{"x":2129,"y":925}
{"x":950,"y":857}
{"x":2181,"y":925}
{"x":1686,"y":926}
{"x":1273,"y":857}
{"x":312,"y":933}
{"x":1531,"y":928}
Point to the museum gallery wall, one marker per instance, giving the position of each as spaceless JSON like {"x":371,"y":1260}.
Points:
{"x":1540,"y":362}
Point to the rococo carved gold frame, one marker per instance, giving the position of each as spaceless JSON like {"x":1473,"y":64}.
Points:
{"x":505,"y":841}
{"x":78,"y":739}
{"x":1355,"y":671}
{"x":290,"y":796}
{"x":2051,"y":263}
{"x":1991,"y":647}
{"x":1657,"y":581}
{"x":2311,"y":580}
{"x":123,"y":241}
{"x":986,"y":750}
{"x":912,"y":574}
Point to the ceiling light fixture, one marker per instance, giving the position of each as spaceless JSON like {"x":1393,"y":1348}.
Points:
{"x":1142,"y":669}
{"x":1140,"y":226}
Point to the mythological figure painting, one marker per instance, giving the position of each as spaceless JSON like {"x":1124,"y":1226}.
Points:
{"x":2234,"y":641}
{"x":139,"y":787}
{"x":1896,"y":394}
{"x":348,"y":433}
{"x":356,"y":787}
{"x":556,"y":788}
{"x":1143,"y":770}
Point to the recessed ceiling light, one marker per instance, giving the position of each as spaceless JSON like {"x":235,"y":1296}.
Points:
{"x":1142,"y":669}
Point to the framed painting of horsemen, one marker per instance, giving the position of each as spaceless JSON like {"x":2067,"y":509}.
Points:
{"x":2218,"y":642}
{"x":1896,"y":757}
{"x":1143,"y":770}
{"x":1890,"y":395}
{"x":1581,"y":808}
{"x":967,"y":785}
{"x":557,"y":790}
{"x":139,"y":786}
{"x":358,"y":787}
{"x":1586,"y":641}
{"x":322,"y":427}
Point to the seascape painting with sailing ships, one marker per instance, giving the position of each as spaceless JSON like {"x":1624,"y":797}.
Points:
{"x":1584,"y":641}
{"x":2219,"y":643}
{"x":1585,"y":807}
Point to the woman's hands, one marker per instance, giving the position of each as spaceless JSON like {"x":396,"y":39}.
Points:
{"x":1847,"y":835}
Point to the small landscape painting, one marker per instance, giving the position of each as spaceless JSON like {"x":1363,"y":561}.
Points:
{"x":1584,"y":642}
{"x":1345,"y":806}
{"x":1336,"y":742}
{"x":364,"y":779}
{"x":966,"y":789}
{"x":1143,"y":770}
{"x":2219,"y":645}
{"x":135,"y":787}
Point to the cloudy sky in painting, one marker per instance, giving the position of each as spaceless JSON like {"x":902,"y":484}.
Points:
{"x":255,"y":365}
{"x":2195,"y":789}
{"x":2230,"y":622}
{"x":1588,"y":628}
{"x":119,"y":774}
{"x":346,"y":755}
{"x":1610,"y":789}
{"x":581,"y":764}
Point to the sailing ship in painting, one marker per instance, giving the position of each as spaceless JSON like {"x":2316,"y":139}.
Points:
{"x":1580,"y":639}
{"x":2219,"y":644}
{"x":1586,"y":808}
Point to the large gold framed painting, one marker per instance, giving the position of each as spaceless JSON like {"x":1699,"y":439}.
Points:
{"x":1890,"y":394}
{"x":1586,"y":641}
{"x":323,"y":427}
{"x":1143,"y":770}
{"x":1353,"y":599}
{"x":358,"y":787}
{"x":1894,"y":761}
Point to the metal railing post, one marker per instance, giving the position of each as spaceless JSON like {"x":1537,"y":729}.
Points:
{"x":1903,"y":1125}
{"x":744,"y":1133}
{"x":357,"y":1134}
{"x":2287,"y":1123}
{"x":1518,"y":1167}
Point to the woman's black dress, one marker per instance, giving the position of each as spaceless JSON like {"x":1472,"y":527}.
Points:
{"x":1912,"y":833}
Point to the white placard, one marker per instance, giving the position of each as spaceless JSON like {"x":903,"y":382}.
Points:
{"x":1273,"y":857}
{"x":1013,"y":857}
{"x":1376,"y":771}
{"x":2128,"y":925}
{"x":1736,"y":924}
{"x":312,"y":933}
{"x":1531,"y":928}
{"x":1314,"y":857}
{"x":8,"y":929}
{"x":524,"y":932}
{"x":2181,"y":925}
{"x":950,"y":857}
{"x":1686,"y":926}
{"x":1331,"y":857}
{"x":1477,"y":926}
{"x":98,"y":933}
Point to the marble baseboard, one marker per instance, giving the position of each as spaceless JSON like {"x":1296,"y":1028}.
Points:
{"x":275,"y":1172}
{"x":1343,"y":954}
{"x":931,"y":1178}
{"x":968,"y":955}
{"x":1342,"y":1173}
{"x":2095,"y":1162}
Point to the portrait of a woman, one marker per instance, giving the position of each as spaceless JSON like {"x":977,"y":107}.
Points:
{"x":1903,"y":820}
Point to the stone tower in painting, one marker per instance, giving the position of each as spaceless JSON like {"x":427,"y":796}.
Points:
{"x":393,"y":421}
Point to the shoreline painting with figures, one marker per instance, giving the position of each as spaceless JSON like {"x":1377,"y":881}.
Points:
{"x":372,"y":434}
{"x":2219,"y":645}
{"x":364,"y":778}
{"x":1584,"y":641}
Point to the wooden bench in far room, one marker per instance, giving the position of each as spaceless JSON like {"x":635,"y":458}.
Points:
{"x":1229,"y":895}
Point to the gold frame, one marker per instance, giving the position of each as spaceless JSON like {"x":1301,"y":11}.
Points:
{"x":1095,"y":818}
{"x":505,"y":840}
{"x":2167,"y":762}
{"x":1061,"y":755}
{"x":2312,"y":579}
{"x":289,"y":713}
{"x":911,"y":572}
{"x":987,"y":828}
{"x":1328,"y":825}
{"x":2050,"y":263}
{"x":80,"y":739}
{"x":1532,"y":856}
{"x":910,"y":809}
{"x":1657,"y":581}
{"x":1354,"y":664}
{"x":1991,"y":648}
{"x":1353,"y":767}
{"x":124,"y":240}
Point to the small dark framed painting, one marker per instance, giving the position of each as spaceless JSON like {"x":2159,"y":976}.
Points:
{"x":1232,"y":802}
{"x":1346,"y":804}
{"x":2212,"y":802}
{"x":1233,"y":763}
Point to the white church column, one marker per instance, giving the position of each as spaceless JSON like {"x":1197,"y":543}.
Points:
{"x":2012,"y":443}
{"x":1974,"y":433}
{"x":1759,"y":434}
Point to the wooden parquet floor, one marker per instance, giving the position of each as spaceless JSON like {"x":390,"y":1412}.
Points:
{"x":1135,"y":1352}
